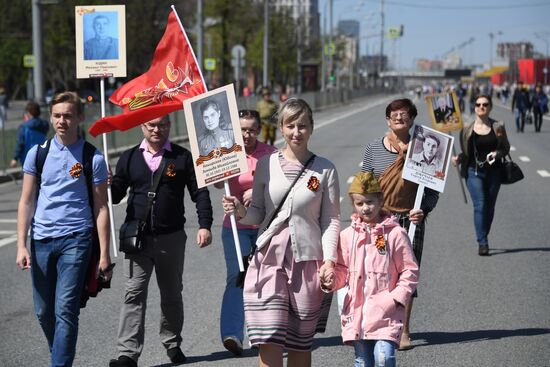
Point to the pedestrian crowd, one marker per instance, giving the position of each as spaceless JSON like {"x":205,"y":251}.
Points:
{"x":288,"y":211}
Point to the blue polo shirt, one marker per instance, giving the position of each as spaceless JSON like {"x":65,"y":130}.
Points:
{"x":62,"y":207}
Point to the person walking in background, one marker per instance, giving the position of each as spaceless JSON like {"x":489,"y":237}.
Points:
{"x":374,"y":243}
{"x":385,"y":157}
{"x":484,"y":143}
{"x":283,"y":301}
{"x":267,"y":109}
{"x":520,"y":105}
{"x":540,"y":106}
{"x":55,"y":202}
{"x":232,"y":311}
{"x":164,"y":237}
{"x":31,"y":132}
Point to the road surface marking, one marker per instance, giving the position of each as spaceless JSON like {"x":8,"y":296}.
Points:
{"x":8,"y":240}
{"x":8,"y":232}
{"x":350,"y":179}
{"x":543,"y":173}
{"x":524,"y":158}
{"x":512,"y":148}
{"x":361,"y":164}
{"x":8,"y":220}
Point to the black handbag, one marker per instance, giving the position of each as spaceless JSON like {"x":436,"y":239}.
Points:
{"x":131,"y":232}
{"x":511,"y":172}
{"x":248,"y":259}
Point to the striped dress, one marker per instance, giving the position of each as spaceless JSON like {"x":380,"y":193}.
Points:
{"x":376,"y":159}
{"x":283,"y":301}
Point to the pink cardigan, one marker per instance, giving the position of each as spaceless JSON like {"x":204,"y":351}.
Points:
{"x":370,"y":310}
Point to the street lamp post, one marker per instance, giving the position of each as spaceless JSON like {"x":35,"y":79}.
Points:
{"x":266,"y":41}
{"x":542,"y":37}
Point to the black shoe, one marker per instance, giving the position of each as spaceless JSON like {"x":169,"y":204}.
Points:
{"x":483,"y":250}
{"x":122,"y":361}
{"x":176,"y":355}
{"x":233,"y":345}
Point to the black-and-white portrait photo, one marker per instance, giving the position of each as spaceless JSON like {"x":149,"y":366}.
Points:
{"x":429,"y":152}
{"x":212,"y":124}
{"x":101,"y":36}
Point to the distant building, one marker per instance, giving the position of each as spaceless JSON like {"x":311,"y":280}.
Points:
{"x":429,"y":65}
{"x":370,"y":63}
{"x":349,"y":28}
{"x":512,"y":52}
{"x":304,"y":11}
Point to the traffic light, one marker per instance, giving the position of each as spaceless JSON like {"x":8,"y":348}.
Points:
{"x":331,"y":77}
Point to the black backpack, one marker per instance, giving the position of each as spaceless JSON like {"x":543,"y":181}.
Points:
{"x":92,"y":285}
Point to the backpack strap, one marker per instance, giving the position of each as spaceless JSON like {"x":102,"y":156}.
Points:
{"x":40,"y":159}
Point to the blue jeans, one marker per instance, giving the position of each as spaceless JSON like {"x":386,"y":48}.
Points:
{"x":483,"y":188}
{"x":519,"y":114}
{"x":58,"y":273}
{"x":374,"y":353}
{"x":232,"y":313}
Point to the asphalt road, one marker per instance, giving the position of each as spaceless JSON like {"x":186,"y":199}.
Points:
{"x":471,"y":310}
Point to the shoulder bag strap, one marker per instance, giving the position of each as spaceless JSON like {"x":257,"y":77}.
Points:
{"x":152,"y":193}
{"x":274,"y":214}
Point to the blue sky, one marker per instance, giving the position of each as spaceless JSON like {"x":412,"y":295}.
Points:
{"x":433,"y":27}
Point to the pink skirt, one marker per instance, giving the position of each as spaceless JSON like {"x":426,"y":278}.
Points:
{"x":283,"y":301}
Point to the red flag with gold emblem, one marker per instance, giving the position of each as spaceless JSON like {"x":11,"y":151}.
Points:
{"x":173,"y":77}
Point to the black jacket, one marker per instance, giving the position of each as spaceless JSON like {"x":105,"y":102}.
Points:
{"x":167,"y":213}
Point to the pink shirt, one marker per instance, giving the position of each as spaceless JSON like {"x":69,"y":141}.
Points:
{"x":238,"y":185}
{"x":153,"y":159}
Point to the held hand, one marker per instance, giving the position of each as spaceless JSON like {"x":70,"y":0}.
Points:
{"x":23,"y":259}
{"x":416,"y":216}
{"x":109,"y":175}
{"x":232,"y":205}
{"x":455,"y":160}
{"x":326,"y":275}
{"x":13,"y":163}
{"x":204,"y":237}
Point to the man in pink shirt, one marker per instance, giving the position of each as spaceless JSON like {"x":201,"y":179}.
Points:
{"x":232,"y":312}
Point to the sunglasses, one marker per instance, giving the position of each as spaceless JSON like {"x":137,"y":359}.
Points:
{"x":482,"y":104}
{"x":249,"y":113}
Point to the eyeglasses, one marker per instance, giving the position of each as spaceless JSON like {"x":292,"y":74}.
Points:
{"x":482,"y":104}
{"x":249,"y":113}
{"x":152,"y":127}
{"x":249,"y":131}
{"x":395,"y":115}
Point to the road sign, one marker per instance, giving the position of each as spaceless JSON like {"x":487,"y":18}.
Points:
{"x":330,"y":49}
{"x":28,"y":61}
{"x":393,"y":32}
{"x":238,"y":51}
{"x":210,"y":63}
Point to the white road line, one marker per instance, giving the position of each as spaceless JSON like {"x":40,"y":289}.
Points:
{"x":512,"y":148}
{"x":8,"y":220}
{"x":524,"y":158}
{"x":360,"y":164}
{"x":8,"y":240}
{"x":350,"y":179}
{"x":7,"y":232}
{"x":341,"y":198}
{"x":543,"y":173}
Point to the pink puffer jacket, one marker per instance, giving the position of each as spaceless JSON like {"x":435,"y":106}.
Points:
{"x":377,"y":279}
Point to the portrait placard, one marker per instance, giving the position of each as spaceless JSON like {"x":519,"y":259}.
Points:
{"x":428,"y":158}
{"x":213,"y":127}
{"x":445,"y":112}
{"x":100,"y":34}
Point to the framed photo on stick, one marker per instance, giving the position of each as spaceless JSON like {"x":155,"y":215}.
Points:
{"x":214,"y":130}
{"x":444,"y":112}
{"x":428,"y":158}
{"x":100,"y":34}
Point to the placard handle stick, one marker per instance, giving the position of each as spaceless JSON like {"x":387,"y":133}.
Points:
{"x":417,"y":202}
{"x":234,"y":230}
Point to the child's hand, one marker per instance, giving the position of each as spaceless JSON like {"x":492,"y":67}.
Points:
{"x":327,"y":276}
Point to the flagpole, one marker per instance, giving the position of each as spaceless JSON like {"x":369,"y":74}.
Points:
{"x":226,"y":182}
{"x":106,"y":155}
{"x":417,"y":203}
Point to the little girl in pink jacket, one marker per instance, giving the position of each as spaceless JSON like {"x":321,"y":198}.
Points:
{"x":376,"y":262}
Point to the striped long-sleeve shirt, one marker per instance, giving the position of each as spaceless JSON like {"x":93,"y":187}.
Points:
{"x":377,"y":158}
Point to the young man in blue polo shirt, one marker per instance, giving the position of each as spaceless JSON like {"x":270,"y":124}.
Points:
{"x":62,"y":227}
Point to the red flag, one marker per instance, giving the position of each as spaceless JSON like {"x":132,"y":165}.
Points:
{"x":173,"y":77}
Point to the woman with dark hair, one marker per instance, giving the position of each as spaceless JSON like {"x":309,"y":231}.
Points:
{"x":484,"y":143}
{"x":385,"y":157}
{"x":283,"y":301}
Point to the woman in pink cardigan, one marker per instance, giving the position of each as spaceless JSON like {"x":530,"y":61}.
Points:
{"x":376,"y":262}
